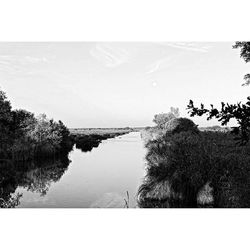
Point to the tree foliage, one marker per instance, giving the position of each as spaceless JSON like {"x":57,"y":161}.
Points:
{"x":245,"y":54}
{"x":26,"y":136}
{"x":162,"y":118}
{"x":239,"y":111}
{"x":5,"y":123}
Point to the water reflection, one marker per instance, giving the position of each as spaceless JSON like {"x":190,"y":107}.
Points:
{"x":99,"y":178}
{"x":109,"y":200}
{"x":8,"y":183}
{"x":32,"y":176}
{"x":40,"y":176}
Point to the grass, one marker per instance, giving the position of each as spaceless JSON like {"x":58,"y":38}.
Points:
{"x":98,"y":131}
{"x":202,"y":169}
{"x":126,"y":200}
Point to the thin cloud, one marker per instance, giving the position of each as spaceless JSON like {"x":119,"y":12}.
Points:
{"x":109,"y":56}
{"x":161,"y":64}
{"x":188,"y":46}
{"x":11,"y":59}
{"x":30,"y":59}
{"x":14,"y":64}
{"x":167,"y":61}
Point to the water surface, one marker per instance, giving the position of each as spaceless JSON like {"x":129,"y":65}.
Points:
{"x":99,"y":178}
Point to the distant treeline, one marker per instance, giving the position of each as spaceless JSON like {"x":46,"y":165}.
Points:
{"x":103,"y":130}
{"x":23,"y":136}
{"x":87,"y":139}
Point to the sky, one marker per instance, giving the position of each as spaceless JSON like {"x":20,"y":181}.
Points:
{"x":106,"y":84}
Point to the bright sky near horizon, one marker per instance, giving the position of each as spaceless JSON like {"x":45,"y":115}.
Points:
{"x":105,"y":84}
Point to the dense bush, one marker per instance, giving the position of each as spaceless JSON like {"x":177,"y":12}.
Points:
{"x":24,"y":136}
{"x":177,"y":125}
{"x":5,"y":125}
{"x":179,"y":165}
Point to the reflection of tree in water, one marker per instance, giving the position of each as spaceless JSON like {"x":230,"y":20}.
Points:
{"x":8,"y":185}
{"x":34,"y":176}
{"x":40,"y":176}
{"x":12,"y":202}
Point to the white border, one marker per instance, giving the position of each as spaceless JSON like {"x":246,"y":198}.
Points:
{"x":120,"y":20}
{"x":130,"y":20}
{"x":124,"y":229}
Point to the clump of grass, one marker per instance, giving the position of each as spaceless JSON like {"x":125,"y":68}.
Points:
{"x":178,"y":125}
{"x":126,"y":200}
{"x":187,"y":161}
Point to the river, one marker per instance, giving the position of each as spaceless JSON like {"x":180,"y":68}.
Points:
{"x":97,"y":179}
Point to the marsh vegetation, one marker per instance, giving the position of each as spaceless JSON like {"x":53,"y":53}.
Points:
{"x":191,"y":167}
{"x":186,"y":165}
{"x":34,"y":151}
{"x":87,"y":139}
{"x":196,"y":169}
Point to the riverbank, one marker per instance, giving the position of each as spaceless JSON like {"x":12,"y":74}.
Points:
{"x":194,"y":169}
{"x":97,"y":179}
{"x":88,"y":138}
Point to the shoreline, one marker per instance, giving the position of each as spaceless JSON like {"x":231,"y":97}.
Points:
{"x":87,"y":139}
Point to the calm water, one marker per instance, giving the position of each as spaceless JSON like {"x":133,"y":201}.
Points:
{"x":99,"y":178}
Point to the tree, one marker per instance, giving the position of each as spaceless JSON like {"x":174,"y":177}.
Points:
{"x":162,"y":118}
{"x":175,"y":111}
{"x":5,"y":125}
{"x":22,"y":121}
{"x":240,"y":112}
{"x":23,"y":136}
{"x":245,"y":54}
{"x":44,"y":133}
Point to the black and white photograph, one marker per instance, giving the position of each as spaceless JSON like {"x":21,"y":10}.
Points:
{"x":124,"y":125}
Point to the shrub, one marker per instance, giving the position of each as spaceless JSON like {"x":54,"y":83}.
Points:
{"x":178,"y":125}
{"x":187,"y":161}
{"x":24,"y":136}
{"x":162,"y":118}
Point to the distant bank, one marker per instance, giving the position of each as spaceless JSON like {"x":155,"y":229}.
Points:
{"x":88,"y":138}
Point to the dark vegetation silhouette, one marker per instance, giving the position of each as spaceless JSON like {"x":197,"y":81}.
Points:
{"x":239,"y":111}
{"x":26,"y":137}
{"x":35,"y":176}
{"x":245,"y":54}
{"x":86,"y":142}
{"x":34,"y":150}
{"x":27,"y":143}
{"x":181,"y":164}
{"x":199,"y":168}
